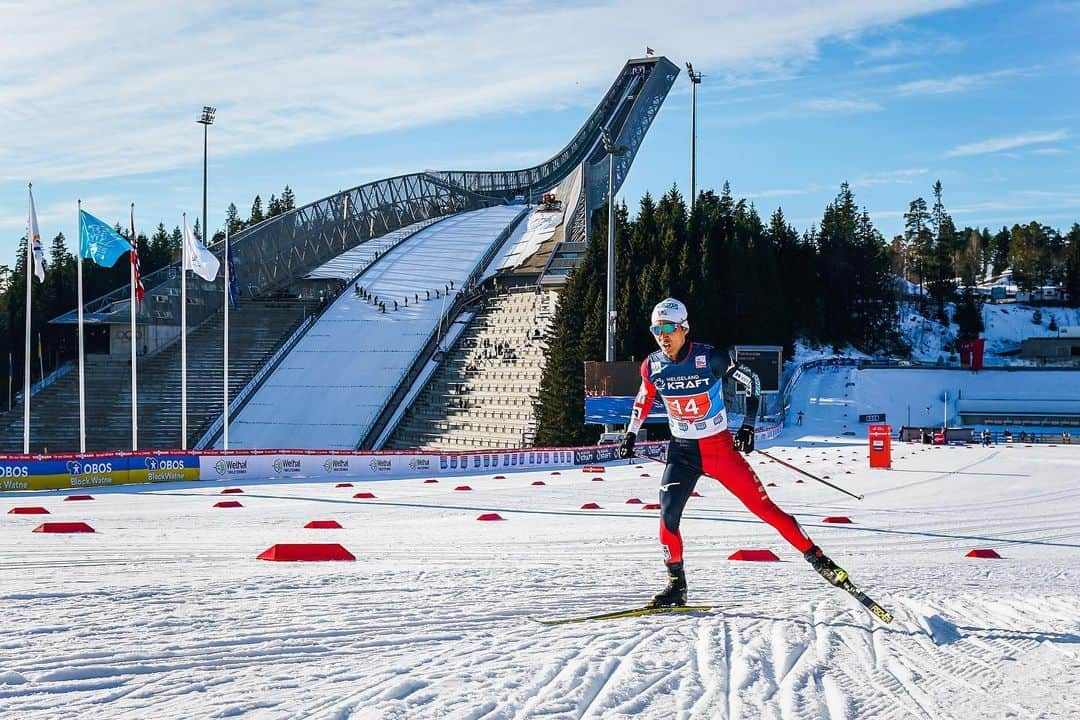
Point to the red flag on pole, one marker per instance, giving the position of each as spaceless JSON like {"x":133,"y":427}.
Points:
{"x":140,"y":291}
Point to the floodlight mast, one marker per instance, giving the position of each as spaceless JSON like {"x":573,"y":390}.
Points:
{"x":695,"y":80}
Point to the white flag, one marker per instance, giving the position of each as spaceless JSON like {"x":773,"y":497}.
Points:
{"x":34,"y":237}
{"x":197,"y":258}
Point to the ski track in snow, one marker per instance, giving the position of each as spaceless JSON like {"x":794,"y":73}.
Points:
{"x":165,"y":613}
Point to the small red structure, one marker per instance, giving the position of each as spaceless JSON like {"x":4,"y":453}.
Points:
{"x":323,"y":525}
{"x":651,"y":506}
{"x":770,"y":484}
{"x":598,"y":479}
{"x":341,"y":485}
{"x":463,"y":488}
{"x":64,"y":527}
{"x":633,"y":501}
{"x":231,"y":491}
{"x":880,"y":437}
{"x":645,"y":475}
{"x":28,"y":511}
{"x":754,"y":556}
{"x":487,"y":517}
{"x":590,"y":506}
{"x":499,"y":477}
{"x":971,"y":353}
{"x":556,"y":472}
{"x":695,"y":494}
{"x":987,"y":553}
{"x":306,"y":552}
{"x":364,"y":496}
{"x":538,"y":482}
{"x":836,"y":519}
{"x":228,"y":504}
{"x":429,"y":481}
{"x":78,"y":497}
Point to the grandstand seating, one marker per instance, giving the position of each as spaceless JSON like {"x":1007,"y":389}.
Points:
{"x":256,"y":329}
{"x":483,"y":395}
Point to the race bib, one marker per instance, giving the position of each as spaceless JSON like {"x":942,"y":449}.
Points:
{"x":689,"y":408}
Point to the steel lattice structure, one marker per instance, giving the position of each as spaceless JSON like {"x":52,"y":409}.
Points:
{"x":270,"y":255}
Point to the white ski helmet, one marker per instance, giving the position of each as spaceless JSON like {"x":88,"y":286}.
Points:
{"x":670,"y":310}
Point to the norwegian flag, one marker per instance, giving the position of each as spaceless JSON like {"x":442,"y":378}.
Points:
{"x":648,"y":51}
{"x":140,"y":291}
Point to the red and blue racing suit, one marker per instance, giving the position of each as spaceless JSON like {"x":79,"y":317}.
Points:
{"x":692,"y":389}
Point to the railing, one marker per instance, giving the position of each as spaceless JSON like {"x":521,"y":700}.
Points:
{"x":253,"y":384}
{"x":385,"y":411}
{"x":47,"y":380}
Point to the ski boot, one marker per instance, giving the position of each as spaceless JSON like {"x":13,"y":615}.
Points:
{"x":674,"y":595}
{"x":829,"y":570}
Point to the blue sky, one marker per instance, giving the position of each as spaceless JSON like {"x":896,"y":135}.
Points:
{"x":798,"y":97}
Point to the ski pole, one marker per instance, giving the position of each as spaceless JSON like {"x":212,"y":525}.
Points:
{"x":809,"y":475}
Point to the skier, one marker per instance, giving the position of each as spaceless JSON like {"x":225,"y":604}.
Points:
{"x":689,"y":377}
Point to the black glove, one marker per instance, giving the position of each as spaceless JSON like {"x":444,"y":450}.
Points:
{"x":626,"y":447}
{"x":744,"y":439}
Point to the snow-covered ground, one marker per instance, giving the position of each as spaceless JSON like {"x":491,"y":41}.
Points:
{"x":166,"y":613}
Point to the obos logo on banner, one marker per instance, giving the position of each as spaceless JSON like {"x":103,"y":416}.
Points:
{"x":83,"y":473}
{"x":8,"y":475}
{"x":169,"y":469}
{"x":231,"y":466}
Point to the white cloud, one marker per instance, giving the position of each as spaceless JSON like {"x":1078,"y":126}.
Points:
{"x":954,"y":84}
{"x":1049,"y":151}
{"x":776,"y":192}
{"x":904,"y":176}
{"x":1011,"y":142}
{"x":114,"y":88}
{"x":839,"y":105}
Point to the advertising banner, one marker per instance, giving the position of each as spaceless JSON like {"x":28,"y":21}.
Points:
{"x":55,"y":474}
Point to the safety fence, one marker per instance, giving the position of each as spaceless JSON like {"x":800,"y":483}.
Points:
{"x":105,"y":469}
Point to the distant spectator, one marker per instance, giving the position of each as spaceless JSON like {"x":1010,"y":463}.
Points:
{"x":427,"y":294}
{"x":1066,"y":438}
{"x":799,"y":417}
{"x":416,"y":297}
{"x":395,"y":306}
{"x":451,"y":284}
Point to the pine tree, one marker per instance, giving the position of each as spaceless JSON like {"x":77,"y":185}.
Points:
{"x":232,"y":220}
{"x":273,"y":208}
{"x":256,"y":211}
{"x":288,"y":199}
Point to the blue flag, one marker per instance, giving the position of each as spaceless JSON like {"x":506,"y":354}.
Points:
{"x":99,"y":242}
{"x":234,"y":293}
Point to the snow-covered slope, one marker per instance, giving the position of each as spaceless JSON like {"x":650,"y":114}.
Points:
{"x":1006,"y":326}
{"x":166,"y":613}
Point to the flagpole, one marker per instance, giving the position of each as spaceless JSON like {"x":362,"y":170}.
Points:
{"x":228,"y":297}
{"x":134,"y":374}
{"x":82,"y":368}
{"x":27,"y":356}
{"x":40,"y":358}
{"x":183,"y":339}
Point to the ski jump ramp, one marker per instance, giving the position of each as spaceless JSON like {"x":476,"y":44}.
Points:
{"x":329,"y":390}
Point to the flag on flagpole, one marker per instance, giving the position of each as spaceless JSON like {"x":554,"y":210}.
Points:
{"x":648,"y":51}
{"x":35,"y":241}
{"x":230,"y":269}
{"x":98,"y":242}
{"x":197,"y":258}
{"x":140,"y":291}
